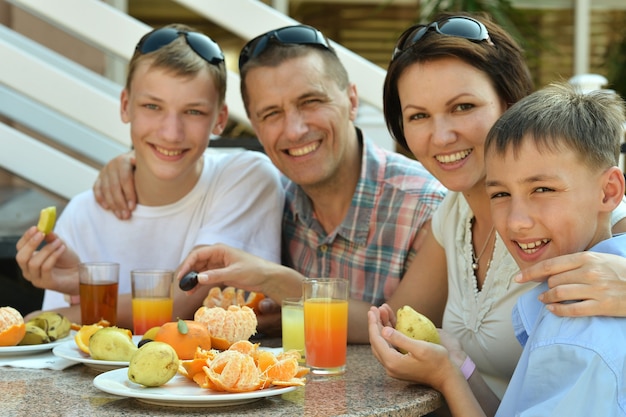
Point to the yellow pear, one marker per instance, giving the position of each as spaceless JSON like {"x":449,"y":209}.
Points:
{"x":153,"y":364}
{"x":415,"y":325}
{"x":112,"y":344}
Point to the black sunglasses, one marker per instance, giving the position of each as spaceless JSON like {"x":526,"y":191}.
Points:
{"x":459,"y":26}
{"x":201,"y":44}
{"x":296,"y":35}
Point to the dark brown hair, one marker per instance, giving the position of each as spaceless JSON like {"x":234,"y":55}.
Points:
{"x":501,"y":60}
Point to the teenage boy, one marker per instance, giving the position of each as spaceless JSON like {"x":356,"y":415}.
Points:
{"x":173,"y":100}
{"x":552,"y":176}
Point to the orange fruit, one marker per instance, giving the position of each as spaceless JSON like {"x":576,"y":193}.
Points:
{"x":185,"y":336}
{"x":12,"y":327}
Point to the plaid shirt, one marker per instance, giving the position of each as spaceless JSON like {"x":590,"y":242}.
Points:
{"x":373,"y":247}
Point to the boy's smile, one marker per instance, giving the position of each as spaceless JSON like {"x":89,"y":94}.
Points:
{"x":172,"y":118}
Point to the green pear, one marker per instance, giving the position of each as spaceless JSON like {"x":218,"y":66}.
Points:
{"x":415,"y":325}
{"x":111,"y":344}
{"x":153,"y":364}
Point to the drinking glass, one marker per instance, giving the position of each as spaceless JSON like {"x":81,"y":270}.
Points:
{"x":292,"y":317}
{"x":326,"y":324}
{"x":152,"y":296}
{"x":98,"y":283}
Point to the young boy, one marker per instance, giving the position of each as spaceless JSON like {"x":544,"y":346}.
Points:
{"x":553,"y":180}
{"x":174,"y":100}
{"x":552,"y":176}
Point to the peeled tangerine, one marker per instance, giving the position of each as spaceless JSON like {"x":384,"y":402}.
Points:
{"x":227,"y":326}
{"x":415,"y":325}
{"x":153,"y":365}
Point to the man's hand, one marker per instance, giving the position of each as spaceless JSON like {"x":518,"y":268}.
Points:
{"x":114,"y":188}
{"x":269,"y":319}
{"x":224,"y":265}
{"x":596,"y":280}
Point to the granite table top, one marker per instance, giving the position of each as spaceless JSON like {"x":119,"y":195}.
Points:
{"x":364,"y":390}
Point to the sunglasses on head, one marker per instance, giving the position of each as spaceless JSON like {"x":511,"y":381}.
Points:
{"x":294,"y":35}
{"x":458,"y":26}
{"x":201,"y":44}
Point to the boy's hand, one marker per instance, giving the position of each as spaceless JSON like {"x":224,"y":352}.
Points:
{"x":596,"y":280}
{"x":114,"y":188}
{"x":53,"y":267}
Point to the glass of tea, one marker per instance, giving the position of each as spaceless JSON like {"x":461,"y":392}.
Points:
{"x":98,"y":291}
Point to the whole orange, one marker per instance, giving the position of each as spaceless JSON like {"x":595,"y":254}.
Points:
{"x":185,"y":336}
{"x":12,"y":327}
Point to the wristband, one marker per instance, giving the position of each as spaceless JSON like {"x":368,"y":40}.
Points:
{"x":468,"y":367}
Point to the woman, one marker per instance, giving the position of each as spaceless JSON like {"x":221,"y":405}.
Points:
{"x":447,"y":84}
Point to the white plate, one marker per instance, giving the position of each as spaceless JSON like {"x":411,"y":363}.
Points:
{"x":178,"y":392}
{"x":32,"y":349}
{"x":69,"y":350}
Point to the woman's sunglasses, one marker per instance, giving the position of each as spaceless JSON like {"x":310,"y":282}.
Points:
{"x":201,"y":44}
{"x":459,"y":26}
{"x":296,"y":35}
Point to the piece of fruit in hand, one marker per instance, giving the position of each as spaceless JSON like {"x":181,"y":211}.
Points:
{"x":47,"y":218}
{"x":415,"y":325}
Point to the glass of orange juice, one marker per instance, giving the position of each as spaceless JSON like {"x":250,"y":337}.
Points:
{"x":325,"y":324}
{"x":98,"y":287}
{"x":152,"y":295}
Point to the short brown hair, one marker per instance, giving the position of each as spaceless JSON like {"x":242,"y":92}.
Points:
{"x":277,"y":53}
{"x":180,"y":59}
{"x":558,"y":117}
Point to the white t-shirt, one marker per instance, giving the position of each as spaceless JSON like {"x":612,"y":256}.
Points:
{"x":238,"y":200}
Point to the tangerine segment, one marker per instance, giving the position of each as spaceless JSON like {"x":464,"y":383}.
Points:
{"x":282,"y":370}
{"x":246,"y":347}
{"x":12,"y":327}
{"x":228,"y":296}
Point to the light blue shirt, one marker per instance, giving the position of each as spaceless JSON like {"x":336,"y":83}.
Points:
{"x":570,"y":366}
